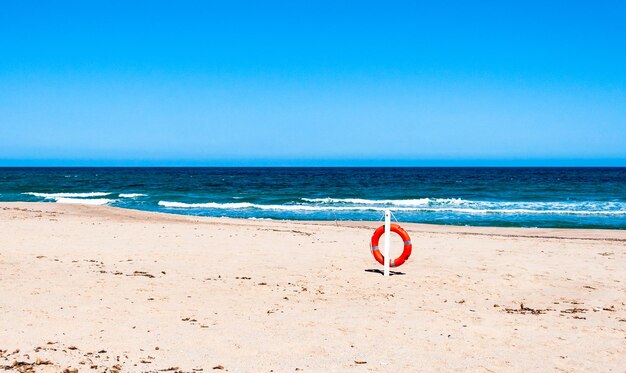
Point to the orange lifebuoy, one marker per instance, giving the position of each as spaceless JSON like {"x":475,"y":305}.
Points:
{"x":408,"y":246}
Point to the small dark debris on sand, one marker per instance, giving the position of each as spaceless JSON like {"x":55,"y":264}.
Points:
{"x":524,"y":310}
{"x":574,"y":310}
{"x":142,"y":273}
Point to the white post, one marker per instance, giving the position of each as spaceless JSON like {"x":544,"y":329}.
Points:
{"x":387,"y":240}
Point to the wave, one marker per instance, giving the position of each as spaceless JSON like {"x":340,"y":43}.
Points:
{"x":68,"y":195}
{"x":360,"y":201}
{"x":131,"y":195}
{"x":75,"y":198}
{"x":433,"y":206}
{"x":235,"y":206}
{"x":248,"y":205}
{"x":489,"y":205}
{"x":84,"y":201}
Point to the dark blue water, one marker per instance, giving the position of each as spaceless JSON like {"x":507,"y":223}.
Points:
{"x":524,"y":197}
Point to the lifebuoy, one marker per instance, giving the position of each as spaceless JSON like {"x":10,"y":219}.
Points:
{"x":408,"y":246}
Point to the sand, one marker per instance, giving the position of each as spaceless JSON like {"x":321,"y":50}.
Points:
{"x":100,"y":289}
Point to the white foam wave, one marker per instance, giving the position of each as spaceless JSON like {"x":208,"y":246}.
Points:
{"x":462,"y":205}
{"x":361,"y":201}
{"x":84,"y":201}
{"x":240,"y":205}
{"x":131,"y":195}
{"x":477,"y":209}
{"x":67,"y":195}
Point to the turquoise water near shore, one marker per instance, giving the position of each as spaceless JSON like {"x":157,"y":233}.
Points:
{"x":522,"y":197}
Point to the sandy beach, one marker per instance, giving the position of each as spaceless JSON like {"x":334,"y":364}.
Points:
{"x":95,"y":288}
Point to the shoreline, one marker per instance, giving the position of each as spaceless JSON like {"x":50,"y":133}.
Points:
{"x":100,"y":288}
{"x":607,"y":234}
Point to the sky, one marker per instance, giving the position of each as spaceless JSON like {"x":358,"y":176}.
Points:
{"x":312,"y":83}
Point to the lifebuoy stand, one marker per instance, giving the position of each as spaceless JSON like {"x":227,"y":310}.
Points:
{"x":386,"y":248}
{"x":383,"y":258}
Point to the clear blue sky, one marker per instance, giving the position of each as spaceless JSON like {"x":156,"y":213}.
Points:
{"x":312,"y":83}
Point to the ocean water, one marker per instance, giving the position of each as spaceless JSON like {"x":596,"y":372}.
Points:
{"x":520,"y":197}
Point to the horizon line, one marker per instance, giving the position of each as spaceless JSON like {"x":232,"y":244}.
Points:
{"x":566,"y":163}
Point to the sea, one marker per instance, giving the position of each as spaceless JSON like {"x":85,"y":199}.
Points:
{"x":482,"y":196}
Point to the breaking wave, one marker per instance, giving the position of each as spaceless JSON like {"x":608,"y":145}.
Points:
{"x":241,"y":205}
{"x":393,"y":202}
{"x":132,"y":195}
{"x":75,"y":198}
{"x":68,"y":195}
{"x":85,"y":201}
{"x":423,"y":205}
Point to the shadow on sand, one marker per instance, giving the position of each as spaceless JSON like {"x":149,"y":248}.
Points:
{"x":380,"y":272}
